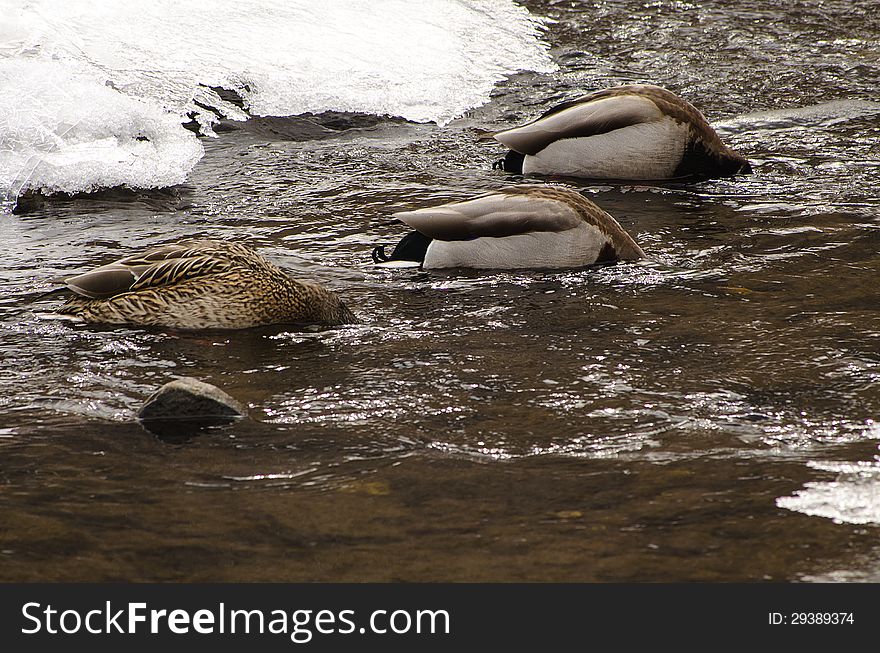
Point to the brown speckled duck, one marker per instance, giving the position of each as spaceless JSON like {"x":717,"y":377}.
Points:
{"x":526,"y":226}
{"x":636,"y":132}
{"x":200,"y":284}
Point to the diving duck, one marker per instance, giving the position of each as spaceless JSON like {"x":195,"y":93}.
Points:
{"x":527,"y":226}
{"x":637,"y":132}
{"x":199,"y":284}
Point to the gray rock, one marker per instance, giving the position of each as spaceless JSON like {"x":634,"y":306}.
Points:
{"x":188,"y":404}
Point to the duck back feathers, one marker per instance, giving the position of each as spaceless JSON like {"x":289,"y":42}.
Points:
{"x":628,"y":132}
{"x":200,"y":284}
{"x":521,"y":227}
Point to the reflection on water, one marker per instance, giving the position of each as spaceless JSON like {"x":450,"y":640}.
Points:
{"x":680,"y":418}
{"x":853,"y":497}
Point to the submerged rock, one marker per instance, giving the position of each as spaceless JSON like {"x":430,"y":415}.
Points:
{"x":185,"y":406}
{"x":28,"y":201}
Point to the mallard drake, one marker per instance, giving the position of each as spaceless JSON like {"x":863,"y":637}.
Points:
{"x":639,"y":132}
{"x":199,"y":284}
{"x":518,"y":227}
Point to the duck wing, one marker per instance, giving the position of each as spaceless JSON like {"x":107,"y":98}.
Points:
{"x":495,"y":215}
{"x":165,"y":265}
{"x":583,"y":117}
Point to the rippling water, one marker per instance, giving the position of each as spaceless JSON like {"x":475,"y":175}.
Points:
{"x":707,"y":414}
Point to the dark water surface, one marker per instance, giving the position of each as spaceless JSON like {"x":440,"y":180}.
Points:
{"x":636,"y":422}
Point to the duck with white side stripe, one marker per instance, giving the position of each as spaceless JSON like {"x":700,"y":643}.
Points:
{"x":527,"y":226}
{"x":637,"y":132}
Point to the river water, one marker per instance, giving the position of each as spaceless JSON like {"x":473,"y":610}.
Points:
{"x":705,"y":415}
